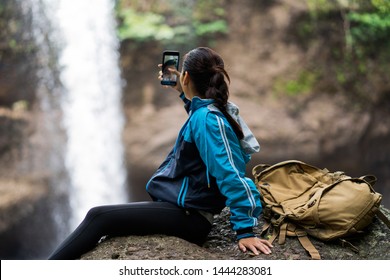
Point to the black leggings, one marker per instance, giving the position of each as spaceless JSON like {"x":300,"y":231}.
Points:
{"x":139,"y":218}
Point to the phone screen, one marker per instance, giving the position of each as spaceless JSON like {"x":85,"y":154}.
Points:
{"x":170,"y":61}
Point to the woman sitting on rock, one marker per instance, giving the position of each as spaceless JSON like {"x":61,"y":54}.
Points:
{"x":204,"y":172}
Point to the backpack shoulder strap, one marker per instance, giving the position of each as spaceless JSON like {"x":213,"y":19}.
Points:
{"x":290,"y":229}
{"x":305,"y":241}
{"x":309,"y":247}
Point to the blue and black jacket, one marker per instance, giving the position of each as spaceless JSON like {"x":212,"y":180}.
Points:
{"x":206,"y":168}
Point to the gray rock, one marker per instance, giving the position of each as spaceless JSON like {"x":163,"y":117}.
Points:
{"x":374,"y":244}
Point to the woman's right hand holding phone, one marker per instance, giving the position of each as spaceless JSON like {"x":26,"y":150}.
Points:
{"x":174,"y":71}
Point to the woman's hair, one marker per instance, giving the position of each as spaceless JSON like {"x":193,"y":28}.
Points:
{"x":207,"y":71}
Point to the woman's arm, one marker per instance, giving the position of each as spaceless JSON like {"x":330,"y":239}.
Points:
{"x":222,"y":154}
{"x":177,"y":87}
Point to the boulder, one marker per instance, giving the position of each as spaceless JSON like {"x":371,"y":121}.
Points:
{"x":373,"y":244}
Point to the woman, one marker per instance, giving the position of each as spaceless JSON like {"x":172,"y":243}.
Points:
{"x":204,"y":172}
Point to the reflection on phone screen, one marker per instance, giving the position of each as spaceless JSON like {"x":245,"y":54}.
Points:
{"x":170,"y":62}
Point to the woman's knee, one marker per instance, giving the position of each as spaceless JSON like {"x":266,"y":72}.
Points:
{"x":95,"y":211}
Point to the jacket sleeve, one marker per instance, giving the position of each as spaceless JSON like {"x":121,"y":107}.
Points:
{"x":223,"y":156}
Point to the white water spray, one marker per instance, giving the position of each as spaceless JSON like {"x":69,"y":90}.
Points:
{"x":93,"y":118}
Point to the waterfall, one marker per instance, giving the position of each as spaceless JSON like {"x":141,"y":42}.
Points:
{"x":83,"y":36}
{"x":92,"y":116}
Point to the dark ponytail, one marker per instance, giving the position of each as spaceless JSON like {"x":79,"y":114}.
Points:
{"x":207,"y":71}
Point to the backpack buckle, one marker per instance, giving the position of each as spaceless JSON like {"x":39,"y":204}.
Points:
{"x":277,"y":220}
{"x":267,"y":212}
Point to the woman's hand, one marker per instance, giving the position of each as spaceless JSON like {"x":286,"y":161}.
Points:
{"x":178,"y":84}
{"x":255,"y":245}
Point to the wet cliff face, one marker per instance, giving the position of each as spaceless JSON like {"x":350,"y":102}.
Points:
{"x":17,"y":59}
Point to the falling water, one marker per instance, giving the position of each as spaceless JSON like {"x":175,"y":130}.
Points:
{"x":92,"y":116}
{"x":82,"y":36}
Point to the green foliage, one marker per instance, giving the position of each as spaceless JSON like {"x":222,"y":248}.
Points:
{"x":143,"y":26}
{"x":366,"y":22}
{"x":303,"y":84}
{"x":204,"y":29}
{"x":178,"y":22}
{"x":383,"y":6}
{"x":370,"y":27}
{"x":14,"y":38}
{"x":20,"y":105}
{"x":318,"y":7}
{"x":356,"y":61}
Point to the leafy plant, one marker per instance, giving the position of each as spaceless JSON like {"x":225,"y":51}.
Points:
{"x":358,"y":35}
{"x":303,"y":84}
{"x":177,"y":22}
{"x":143,"y":26}
{"x":203,"y":29}
{"x":370,"y":27}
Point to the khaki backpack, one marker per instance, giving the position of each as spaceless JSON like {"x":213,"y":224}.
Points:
{"x":300,"y":199}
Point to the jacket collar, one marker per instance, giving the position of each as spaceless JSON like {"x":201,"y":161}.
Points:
{"x":198,"y":102}
{"x":249,"y":143}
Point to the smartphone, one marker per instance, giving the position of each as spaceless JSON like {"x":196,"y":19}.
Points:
{"x":170,"y":61}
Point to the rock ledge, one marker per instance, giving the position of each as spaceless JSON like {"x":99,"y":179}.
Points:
{"x":374,"y":244}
